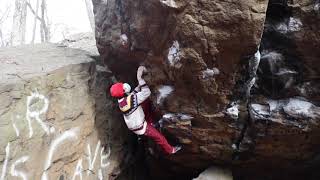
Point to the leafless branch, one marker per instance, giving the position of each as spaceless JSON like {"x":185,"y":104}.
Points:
{"x":35,"y":20}
{"x":44,"y":29}
{"x":5,"y":15}
{"x":19,"y":23}
{"x":33,"y":11}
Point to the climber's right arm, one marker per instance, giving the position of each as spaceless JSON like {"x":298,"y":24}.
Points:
{"x":144,"y":92}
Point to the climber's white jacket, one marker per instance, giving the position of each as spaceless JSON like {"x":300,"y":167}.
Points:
{"x":134,"y":115}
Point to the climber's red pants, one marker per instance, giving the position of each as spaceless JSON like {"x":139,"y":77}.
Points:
{"x":158,"y":138}
{"x":152,"y":132}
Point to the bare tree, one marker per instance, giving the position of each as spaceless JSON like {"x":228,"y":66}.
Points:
{"x":90,"y":14}
{"x":19,"y":23}
{"x":45,"y":32}
{"x":44,"y":22}
{"x":1,"y":39}
{"x":3,"y":16}
{"x":35,"y":21}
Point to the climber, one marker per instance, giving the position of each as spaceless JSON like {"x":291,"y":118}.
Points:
{"x":136,"y":112}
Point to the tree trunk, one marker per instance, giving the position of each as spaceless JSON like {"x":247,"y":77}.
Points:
{"x":35,"y":23}
{"x":3,"y":17}
{"x":19,"y":23}
{"x":90,"y":14}
{"x":44,"y":28}
{"x":1,"y":39}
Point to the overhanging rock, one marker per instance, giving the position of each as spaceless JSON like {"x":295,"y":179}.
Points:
{"x":203,"y":60}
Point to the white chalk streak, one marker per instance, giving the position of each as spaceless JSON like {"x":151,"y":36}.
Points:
{"x":103,"y":158}
{"x":257,"y":55}
{"x":36,"y":114}
{"x":174,"y":54}
{"x":123,"y":39}
{"x":16,"y":129}
{"x":233,"y":111}
{"x":317,"y":6}
{"x":168,"y":116}
{"x":70,"y":134}
{"x":294,"y":107}
{"x":4,"y":168}
{"x":251,"y":83}
{"x":91,"y":161}
{"x":16,"y":173}
{"x":260,"y":109}
{"x":185,"y":116}
{"x":177,"y":116}
{"x":210,"y":73}
{"x":298,"y":107}
{"x":284,"y":71}
{"x":170,"y":3}
{"x":293,"y":25}
{"x":164,"y":91}
{"x":273,"y":55}
{"x":100,"y":176}
{"x":78,"y":170}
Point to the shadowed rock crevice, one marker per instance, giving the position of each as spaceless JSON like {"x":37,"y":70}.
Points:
{"x":281,"y":67}
{"x":281,"y":111}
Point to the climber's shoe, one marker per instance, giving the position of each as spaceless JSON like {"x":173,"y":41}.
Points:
{"x":156,"y":125}
{"x":140,"y":139}
{"x":151,"y":151}
{"x":176,"y":149}
{"x":234,"y":147}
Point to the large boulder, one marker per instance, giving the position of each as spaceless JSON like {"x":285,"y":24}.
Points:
{"x":215,"y":96}
{"x":53,"y":124}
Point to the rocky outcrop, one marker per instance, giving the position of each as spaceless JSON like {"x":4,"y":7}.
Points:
{"x":289,"y":50}
{"x":214,"y":173}
{"x":83,"y":41}
{"x":229,"y":90}
{"x":53,"y":124}
{"x":307,"y":45}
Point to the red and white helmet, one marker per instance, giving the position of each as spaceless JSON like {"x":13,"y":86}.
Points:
{"x":118,"y":90}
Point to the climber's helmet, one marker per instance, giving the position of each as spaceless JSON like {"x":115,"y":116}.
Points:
{"x":118,"y":90}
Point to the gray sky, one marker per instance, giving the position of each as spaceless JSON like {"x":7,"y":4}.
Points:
{"x":65,"y":17}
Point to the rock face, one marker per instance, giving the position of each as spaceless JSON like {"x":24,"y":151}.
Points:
{"x":50,"y":126}
{"x":232,"y":88}
{"x":84,"y":41}
{"x":290,"y":39}
{"x":307,"y":44}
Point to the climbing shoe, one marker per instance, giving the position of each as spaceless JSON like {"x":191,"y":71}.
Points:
{"x":176,"y":149}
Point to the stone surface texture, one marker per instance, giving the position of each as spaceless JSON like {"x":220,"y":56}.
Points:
{"x":83,"y":41}
{"x":222,"y":99}
{"x":53,"y":124}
